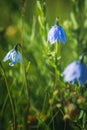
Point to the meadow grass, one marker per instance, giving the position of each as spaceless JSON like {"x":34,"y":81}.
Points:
{"x":33,"y":94}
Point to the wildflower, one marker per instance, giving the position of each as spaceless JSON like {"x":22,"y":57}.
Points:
{"x":14,"y":56}
{"x":57,"y":33}
{"x":76,"y":71}
{"x":72,"y":110}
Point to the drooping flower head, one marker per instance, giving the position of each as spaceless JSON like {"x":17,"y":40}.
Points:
{"x":57,"y":33}
{"x":13,"y":55}
{"x":76,"y":71}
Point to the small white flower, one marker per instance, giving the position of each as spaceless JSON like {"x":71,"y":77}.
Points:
{"x":14,"y":56}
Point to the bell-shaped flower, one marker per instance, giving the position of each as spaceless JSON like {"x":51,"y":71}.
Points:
{"x":76,"y":71}
{"x":14,"y":56}
{"x":57,"y":33}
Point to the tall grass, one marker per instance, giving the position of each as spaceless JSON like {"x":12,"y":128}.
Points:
{"x":33,"y":95}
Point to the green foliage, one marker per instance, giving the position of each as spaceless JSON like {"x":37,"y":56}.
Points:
{"x":33,"y":95}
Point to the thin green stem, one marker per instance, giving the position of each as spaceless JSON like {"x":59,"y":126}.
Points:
{"x":22,"y":40}
{"x":56,"y":49}
{"x":26,"y":82}
{"x":9,"y":95}
{"x":53,"y":116}
{"x":3,"y":107}
{"x":56,"y":57}
{"x":22,"y":19}
{"x":44,"y":103}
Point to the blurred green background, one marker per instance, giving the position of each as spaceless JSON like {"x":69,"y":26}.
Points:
{"x":10,"y":23}
{"x":10,"y":20}
{"x":9,"y":8}
{"x":29,"y":97}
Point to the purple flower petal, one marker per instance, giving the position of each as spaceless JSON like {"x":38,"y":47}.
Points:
{"x":75,"y":72}
{"x":57,"y":33}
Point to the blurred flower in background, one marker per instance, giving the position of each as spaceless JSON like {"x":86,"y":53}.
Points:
{"x":75,"y":71}
{"x":57,"y":33}
{"x":14,"y":56}
{"x":11,"y":30}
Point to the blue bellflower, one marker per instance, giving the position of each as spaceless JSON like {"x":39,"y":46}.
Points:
{"x":14,"y":56}
{"x":57,"y":33}
{"x":75,"y":71}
